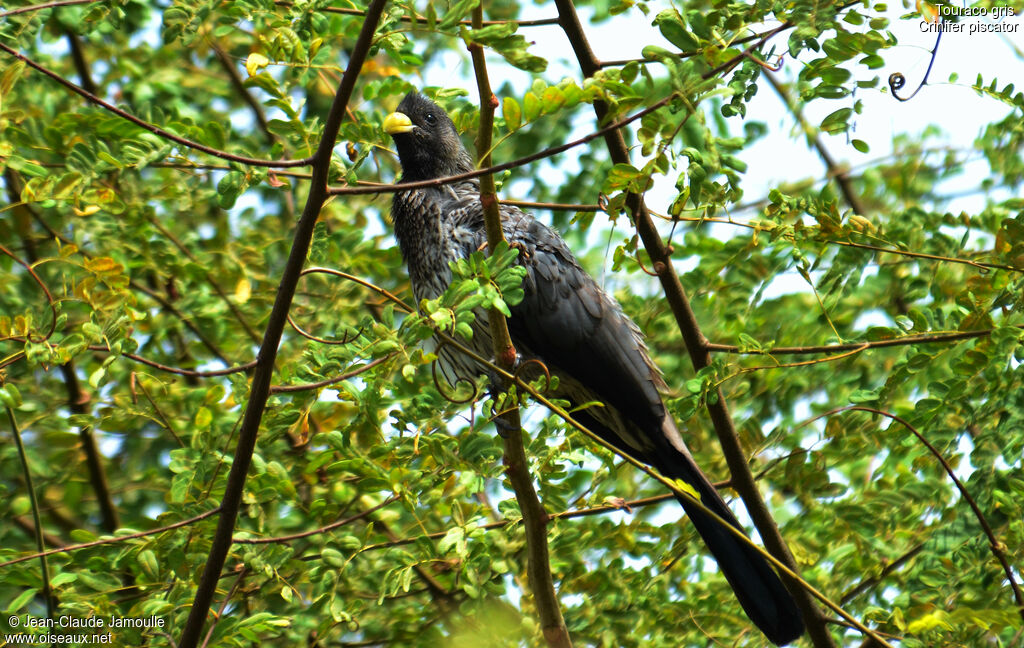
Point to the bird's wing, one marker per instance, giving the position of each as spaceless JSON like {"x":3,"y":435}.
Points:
{"x":568,"y":322}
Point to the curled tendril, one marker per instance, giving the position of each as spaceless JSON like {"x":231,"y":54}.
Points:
{"x":362,"y":282}
{"x":897,"y":80}
{"x":310,"y":336}
{"x":474,"y":395}
{"x":51,"y":302}
{"x":518,"y":373}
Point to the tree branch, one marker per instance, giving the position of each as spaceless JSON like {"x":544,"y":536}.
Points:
{"x":208,"y":276}
{"x":48,"y":595}
{"x":498,"y":168}
{"x":45,"y":5}
{"x":152,"y":128}
{"x":696,"y":343}
{"x":323,"y":529}
{"x":260,"y":390}
{"x":114,"y":540}
{"x":535,"y":518}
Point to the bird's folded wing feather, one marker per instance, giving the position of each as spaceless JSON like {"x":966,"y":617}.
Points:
{"x":567,"y":321}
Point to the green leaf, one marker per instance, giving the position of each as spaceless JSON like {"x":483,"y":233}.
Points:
{"x":457,"y":12}
{"x":670,"y":23}
{"x":512,"y":113}
{"x":21,"y":600}
{"x":10,"y":396}
{"x":837,"y":122}
{"x":531,"y":106}
{"x":864,"y":396}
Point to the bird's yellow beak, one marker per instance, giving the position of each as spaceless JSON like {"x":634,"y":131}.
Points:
{"x":397,"y":122}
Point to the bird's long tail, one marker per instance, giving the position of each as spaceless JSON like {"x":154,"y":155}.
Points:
{"x":760,"y":591}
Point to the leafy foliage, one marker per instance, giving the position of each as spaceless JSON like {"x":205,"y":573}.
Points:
{"x":138,"y":273}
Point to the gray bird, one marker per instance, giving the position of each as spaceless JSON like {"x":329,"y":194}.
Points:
{"x":575,"y":328}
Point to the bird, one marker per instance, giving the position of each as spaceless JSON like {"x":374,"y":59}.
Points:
{"x":570,"y":324}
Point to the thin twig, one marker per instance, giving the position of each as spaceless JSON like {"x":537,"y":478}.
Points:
{"x":228,"y":64}
{"x":152,"y":128}
{"x":45,"y":5}
{"x":49,"y":296}
{"x":285,"y":389}
{"x":420,"y":19}
{"x":112,"y":540}
{"x":932,"y":338}
{"x":529,"y":204}
{"x":871,"y":581}
{"x":498,"y":168}
{"x":996,"y":546}
{"x":323,"y":529}
{"x":176,"y":370}
{"x":242,"y":571}
{"x":562,"y":515}
{"x":51,"y":603}
{"x":831,"y":166}
{"x":209,"y":278}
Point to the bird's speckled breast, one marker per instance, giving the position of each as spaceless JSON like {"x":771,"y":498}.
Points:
{"x":429,"y":242}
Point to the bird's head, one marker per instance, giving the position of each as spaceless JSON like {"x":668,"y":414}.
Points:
{"x":428,"y":144}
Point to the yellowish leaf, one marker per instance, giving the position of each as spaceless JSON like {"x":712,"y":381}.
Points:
{"x":99,"y":265}
{"x":255,"y":62}
{"x":243,"y":290}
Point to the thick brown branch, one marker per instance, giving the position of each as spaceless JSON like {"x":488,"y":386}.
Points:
{"x":696,"y":343}
{"x":535,"y":518}
{"x":260,"y":390}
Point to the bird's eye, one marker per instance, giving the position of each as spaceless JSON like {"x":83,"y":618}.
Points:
{"x":430,"y":119}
